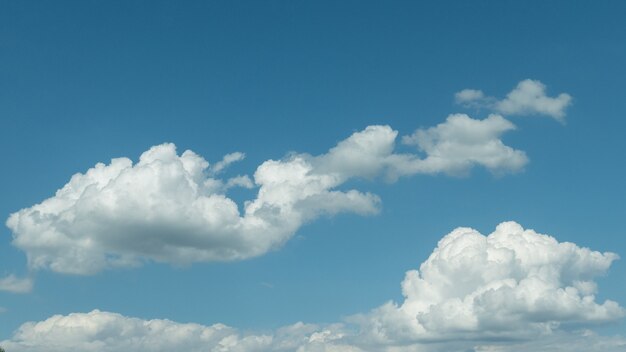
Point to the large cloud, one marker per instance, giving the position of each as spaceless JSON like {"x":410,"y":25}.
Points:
{"x":511,"y":291}
{"x":173,"y":208}
{"x":166,"y":208}
{"x":528,"y":98}
{"x":98,"y":331}
{"x":511,"y":284}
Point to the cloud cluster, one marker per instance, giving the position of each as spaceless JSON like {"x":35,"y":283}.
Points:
{"x":513,"y":290}
{"x":174,"y":208}
{"x":98,"y":331}
{"x":511,"y":284}
{"x":528,"y":98}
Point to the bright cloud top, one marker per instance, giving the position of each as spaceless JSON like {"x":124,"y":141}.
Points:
{"x":513,"y":283}
{"x":514,"y":290}
{"x":528,"y":98}
{"x":172,"y":208}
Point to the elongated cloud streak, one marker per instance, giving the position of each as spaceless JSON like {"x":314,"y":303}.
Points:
{"x":171,"y":208}
{"x":105,"y":331}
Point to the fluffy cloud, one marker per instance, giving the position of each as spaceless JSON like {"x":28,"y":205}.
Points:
{"x":511,"y":291}
{"x":172,"y":208}
{"x":511,"y":284}
{"x":473,"y":98}
{"x":167,"y":208}
{"x":104,"y":331}
{"x":15,"y":284}
{"x":528,"y":98}
{"x":460,"y":142}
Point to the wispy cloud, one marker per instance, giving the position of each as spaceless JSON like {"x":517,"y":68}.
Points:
{"x":15,"y":284}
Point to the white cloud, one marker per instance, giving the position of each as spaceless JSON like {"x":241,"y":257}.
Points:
{"x":511,"y":284}
{"x":15,"y":284}
{"x":171,"y":208}
{"x":459,"y":143}
{"x":104,"y":331}
{"x":226,"y":161}
{"x":511,"y":291}
{"x":166,"y":208}
{"x":528,"y":98}
{"x":469,"y":97}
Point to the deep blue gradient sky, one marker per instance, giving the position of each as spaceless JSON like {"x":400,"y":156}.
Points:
{"x":82,"y":82}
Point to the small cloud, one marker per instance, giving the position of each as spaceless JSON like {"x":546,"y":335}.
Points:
{"x":14,"y":284}
{"x":459,"y":143}
{"x":527,"y":98}
{"x":468,"y":95}
{"x":243,"y":181}
{"x":226,"y":161}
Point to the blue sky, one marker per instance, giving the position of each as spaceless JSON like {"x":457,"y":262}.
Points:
{"x":82,"y":82}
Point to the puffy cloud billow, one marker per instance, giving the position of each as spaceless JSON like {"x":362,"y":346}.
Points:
{"x":511,"y":291}
{"x":511,"y":284}
{"x":174,"y":208}
{"x":527,"y":98}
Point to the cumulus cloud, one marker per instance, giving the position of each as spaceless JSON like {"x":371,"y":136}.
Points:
{"x":527,"y":98}
{"x":511,"y":291}
{"x":166,"y":208}
{"x":172,"y":208}
{"x":15,"y":284}
{"x":511,"y":284}
{"x":104,"y":331}
{"x":460,"y":142}
{"x":226,"y":161}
